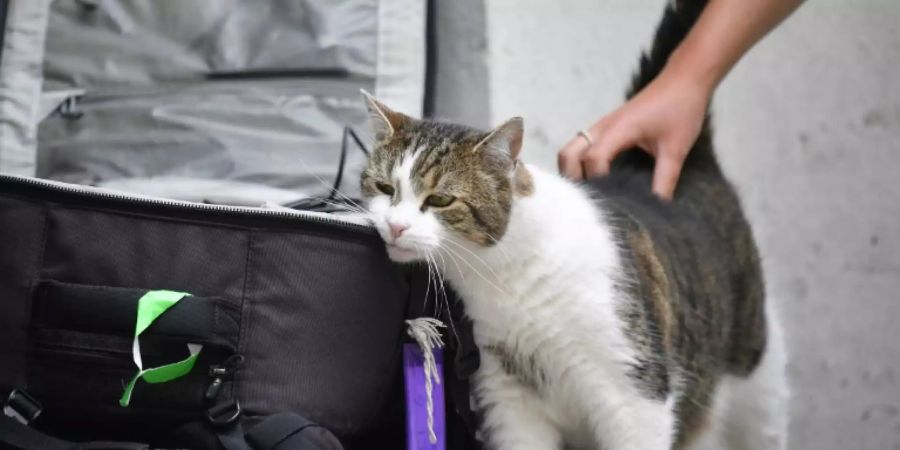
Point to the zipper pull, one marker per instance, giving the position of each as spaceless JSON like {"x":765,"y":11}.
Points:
{"x":224,"y":370}
{"x":228,"y":367}
{"x":68,"y":109}
{"x":212,"y":391}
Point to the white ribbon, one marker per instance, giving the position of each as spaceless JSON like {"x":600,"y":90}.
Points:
{"x":424,"y":331}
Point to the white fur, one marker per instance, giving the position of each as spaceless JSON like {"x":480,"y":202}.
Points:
{"x":752,"y":413}
{"x":546,"y":289}
{"x":424,"y":230}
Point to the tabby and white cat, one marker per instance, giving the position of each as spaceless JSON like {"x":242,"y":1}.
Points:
{"x":604,"y":317}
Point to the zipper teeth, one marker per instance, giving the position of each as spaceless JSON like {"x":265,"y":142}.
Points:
{"x":191,"y":206}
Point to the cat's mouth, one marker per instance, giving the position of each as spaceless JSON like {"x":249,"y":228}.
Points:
{"x":401,"y":254}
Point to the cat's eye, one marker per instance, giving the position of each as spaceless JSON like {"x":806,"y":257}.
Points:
{"x":439,"y":200}
{"x":385,"y":188}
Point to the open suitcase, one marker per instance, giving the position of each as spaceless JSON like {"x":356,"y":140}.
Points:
{"x":138,"y":140}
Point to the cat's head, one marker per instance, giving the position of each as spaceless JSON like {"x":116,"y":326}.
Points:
{"x":430,"y":184}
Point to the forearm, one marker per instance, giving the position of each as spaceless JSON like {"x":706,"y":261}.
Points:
{"x":724,"y":32}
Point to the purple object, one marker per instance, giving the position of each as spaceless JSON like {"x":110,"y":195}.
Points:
{"x":417,"y":400}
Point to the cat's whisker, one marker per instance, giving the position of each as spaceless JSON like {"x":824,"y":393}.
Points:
{"x":346,"y":206}
{"x":500,"y":246}
{"x":433,"y":272}
{"x":441,"y":291}
{"x":446,"y":297}
{"x":438,"y":282}
{"x":350,"y":200}
{"x":330,"y":186}
{"x":443,"y":288}
{"x":458,"y":268}
{"x":428,"y":284}
{"x":481,"y":260}
{"x":478,"y":272}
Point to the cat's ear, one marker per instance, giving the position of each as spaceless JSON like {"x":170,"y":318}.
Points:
{"x":507,"y":138}
{"x":384,"y":120}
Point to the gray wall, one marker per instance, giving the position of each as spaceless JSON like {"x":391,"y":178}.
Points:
{"x":808,"y":128}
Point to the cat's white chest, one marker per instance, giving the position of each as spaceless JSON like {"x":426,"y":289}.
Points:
{"x":537,"y":353}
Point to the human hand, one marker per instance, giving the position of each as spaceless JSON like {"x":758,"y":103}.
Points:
{"x":664,"y":120}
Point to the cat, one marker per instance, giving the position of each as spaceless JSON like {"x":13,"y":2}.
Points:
{"x":605,"y":318}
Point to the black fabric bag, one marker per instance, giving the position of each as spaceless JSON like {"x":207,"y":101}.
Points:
{"x":297,"y":313}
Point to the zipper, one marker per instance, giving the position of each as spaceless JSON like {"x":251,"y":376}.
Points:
{"x":55,"y":355}
{"x":349,"y":223}
{"x":291,"y":74}
{"x":346,"y":88}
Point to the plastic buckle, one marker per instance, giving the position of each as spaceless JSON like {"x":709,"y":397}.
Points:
{"x":22,"y":407}
{"x":69,"y":108}
{"x":224,"y":414}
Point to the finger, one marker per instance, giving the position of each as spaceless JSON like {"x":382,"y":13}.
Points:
{"x":594,"y":164}
{"x":569,"y":158}
{"x":665,"y":175}
{"x":607,"y":145}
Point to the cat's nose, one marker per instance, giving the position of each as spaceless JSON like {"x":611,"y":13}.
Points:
{"x":397,"y":229}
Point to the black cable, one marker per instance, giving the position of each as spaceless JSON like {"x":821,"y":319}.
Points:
{"x":431,"y":57}
{"x":4,"y":13}
{"x":358,"y":141}
{"x":328,"y":203}
{"x":343,"y":160}
{"x":341,"y":163}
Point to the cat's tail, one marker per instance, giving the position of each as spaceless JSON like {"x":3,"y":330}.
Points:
{"x":678,"y":19}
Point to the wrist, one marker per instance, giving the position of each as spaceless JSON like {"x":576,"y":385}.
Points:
{"x":692,"y":70}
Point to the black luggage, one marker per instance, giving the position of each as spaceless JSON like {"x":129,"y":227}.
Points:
{"x":296,"y":312}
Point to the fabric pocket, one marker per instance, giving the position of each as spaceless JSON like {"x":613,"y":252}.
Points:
{"x":228,"y":142}
{"x":80,"y":353}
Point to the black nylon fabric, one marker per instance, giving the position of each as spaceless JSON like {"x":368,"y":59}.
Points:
{"x":318,"y":307}
{"x":21,"y":240}
{"x":15,"y":436}
{"x":332,"y":303}
{"x":97,"y":248}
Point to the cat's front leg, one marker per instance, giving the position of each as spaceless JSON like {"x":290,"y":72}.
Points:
{"x":514,"y":418}
{"x":627,"y":420}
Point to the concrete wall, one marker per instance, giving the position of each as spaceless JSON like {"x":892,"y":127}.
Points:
{"x":807,"y":127}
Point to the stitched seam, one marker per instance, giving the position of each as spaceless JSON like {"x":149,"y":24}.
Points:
{"x":245,"y":312}
{"x":215,"y":324}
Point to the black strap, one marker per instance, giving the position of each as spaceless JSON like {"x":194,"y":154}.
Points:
{"x":460,"y":369}
{"x":232,"y":437}
{"x":111,"y":310}
{"x":277,"y":432}
{"x":112,"y":445}
{"x":269,"y":434}
{"x":225,"y":419}
{"x":14,"y":435}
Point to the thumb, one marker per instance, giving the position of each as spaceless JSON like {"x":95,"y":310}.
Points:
{"x":665,"y":175}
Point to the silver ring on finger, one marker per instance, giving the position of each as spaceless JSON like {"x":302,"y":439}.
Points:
{"x":587,"y":137}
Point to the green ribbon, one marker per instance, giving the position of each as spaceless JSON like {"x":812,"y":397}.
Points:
{"x":152,"y":305}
